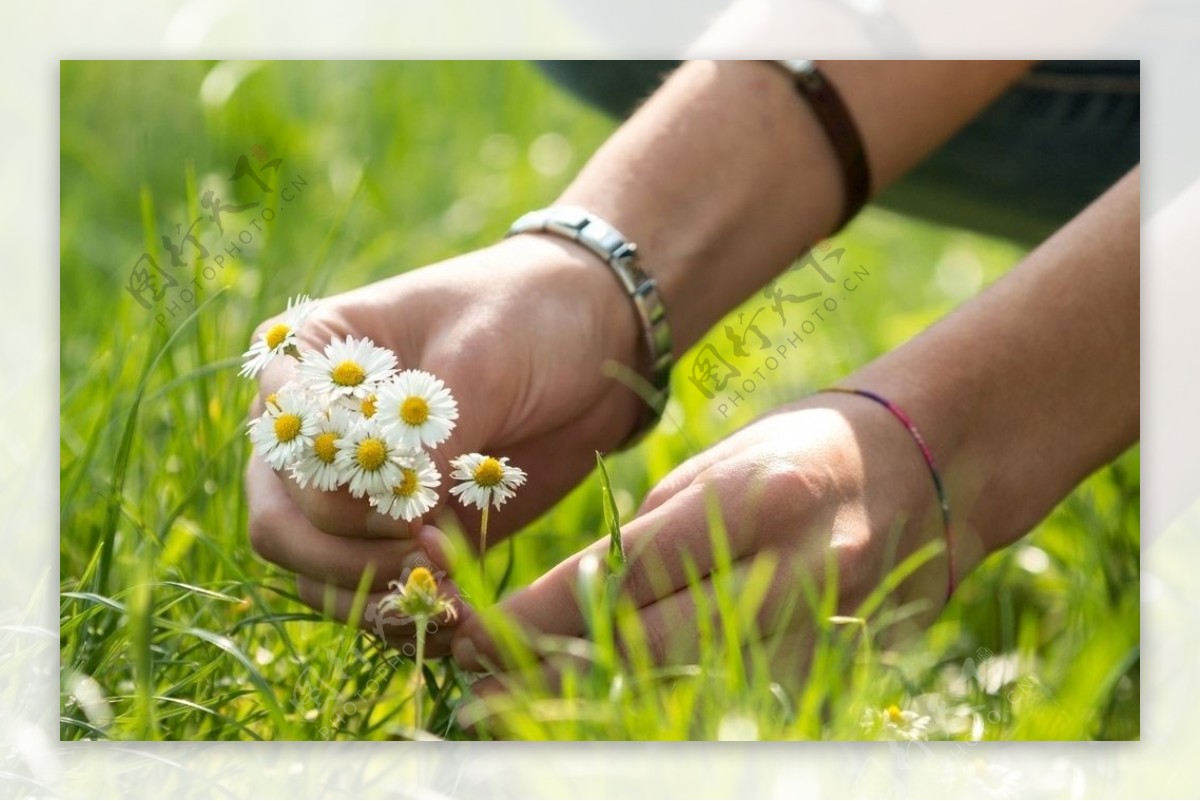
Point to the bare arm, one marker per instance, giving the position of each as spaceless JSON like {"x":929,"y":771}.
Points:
{"x":1034,"y":384}
{"x":1021,"y":393}
{"x":725,"y":176}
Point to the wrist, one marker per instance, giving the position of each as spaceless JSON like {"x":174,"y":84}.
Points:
{"x":900,"y":490}
{"x":563,"y":273}
{"x":582,"y":282}
{"x":650,"y":378}
{"x":987,"y":510}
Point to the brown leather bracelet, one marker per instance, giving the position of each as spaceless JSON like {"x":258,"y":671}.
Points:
{"x":839,"y":127}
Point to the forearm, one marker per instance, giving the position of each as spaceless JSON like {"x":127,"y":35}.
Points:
{"x":1034,"y":384}
{"x":725,"y":176}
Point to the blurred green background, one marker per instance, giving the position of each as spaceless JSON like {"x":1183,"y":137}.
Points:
{"x":173,"y":629}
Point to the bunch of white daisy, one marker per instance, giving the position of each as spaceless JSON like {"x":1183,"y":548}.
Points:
{"x":353,"y":418}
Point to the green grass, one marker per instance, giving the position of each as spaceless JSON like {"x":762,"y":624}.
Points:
{"x":173,"y":629}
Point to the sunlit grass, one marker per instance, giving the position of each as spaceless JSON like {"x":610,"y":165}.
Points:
{"x":173,"y":629}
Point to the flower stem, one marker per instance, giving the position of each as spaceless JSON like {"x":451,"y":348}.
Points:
{"x":483,"y":538}
{"x":419,"y":696}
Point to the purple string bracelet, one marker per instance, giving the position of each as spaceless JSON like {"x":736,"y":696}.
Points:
{"x":930,"y":462}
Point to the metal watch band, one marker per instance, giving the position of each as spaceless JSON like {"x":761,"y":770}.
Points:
{"x":831,"y":112}
{"x":580,"y":225}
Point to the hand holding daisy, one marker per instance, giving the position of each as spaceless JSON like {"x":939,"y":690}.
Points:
{"x":543,"y":400}
{"x":349,"y":419}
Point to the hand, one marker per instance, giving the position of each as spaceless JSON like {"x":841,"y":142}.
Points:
{"x":519,"y":332}
{"x":832,"y":476}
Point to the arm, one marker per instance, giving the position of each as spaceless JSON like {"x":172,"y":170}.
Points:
{"x":1020,"y":394}
{"x":725,"y":176}
{"x":1034,"y":384}
{"x":722,"y":179}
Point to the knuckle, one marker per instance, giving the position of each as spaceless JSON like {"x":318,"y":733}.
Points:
{"x":656,"y":497}
{"x":683,"y":476}
{"x":763,"y":494}
{"x":779,"y":480}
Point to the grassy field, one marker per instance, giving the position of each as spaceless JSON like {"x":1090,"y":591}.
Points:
{"x":173,"y":629}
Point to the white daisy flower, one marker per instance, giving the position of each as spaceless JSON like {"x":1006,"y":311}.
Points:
{"x":360,"y":407}
{"x":485,"y":480}
{"x":368,"y":460}
{"x":347,"y":368}
{"x":418,"y":408}
{"x":286,"y":427}
{"x":279,"y":338}
{"x":415,"y":493}
{"x":418,"y":597}
{"x":894,"y":723}
{"x":318,"y":461}
{"x":272,"y":398}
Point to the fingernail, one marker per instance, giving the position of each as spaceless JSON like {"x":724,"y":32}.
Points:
{"x":434,"y":535}
{"x":417,"y":558}
{"x":436,"y":544}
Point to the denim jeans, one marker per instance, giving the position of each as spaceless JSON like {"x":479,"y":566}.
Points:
{"x":1028,"y":163}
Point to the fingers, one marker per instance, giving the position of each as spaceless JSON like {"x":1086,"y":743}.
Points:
{"x":661,"y":547}
{"x":751,"y":608}
{"x":759,"y":501}
{"x":280,"y":533}
{"x":336,"y":512}
{"x":342,"y":515}
{"x":687,"y":473}
{"x":678,"y":479}
{"x":760,"y":595}
{"x":340,"y":603}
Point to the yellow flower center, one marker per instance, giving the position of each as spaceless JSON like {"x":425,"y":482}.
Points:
{"x":287,"y":427}
{"x":420,"y":580}
{"x":414,"y":411}
{"x":407,"y":485}
{"x":895,"y":715}
{"x":489,"y":472}
{"x":273,"y":399}
{"x":368,"y":406}
{"x":276,"y":334}
{"x":348,"y":374}
{"x":371,"y":454}
{"x":324,"y":448}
